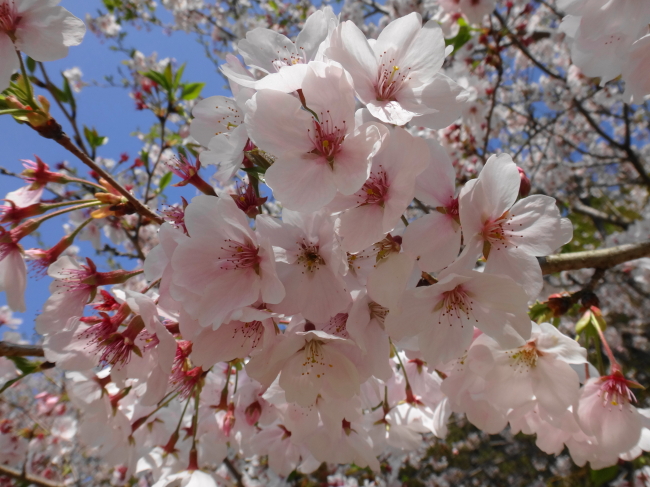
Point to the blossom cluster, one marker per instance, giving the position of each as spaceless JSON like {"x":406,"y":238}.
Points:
{"x":301,"y":310}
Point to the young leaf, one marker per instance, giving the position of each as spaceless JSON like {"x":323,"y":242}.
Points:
{"x":191,"y":91}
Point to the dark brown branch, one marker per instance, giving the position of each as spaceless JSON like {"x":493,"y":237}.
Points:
{"x":8,"y":349}
{"x":29,"y":479}
{"x":594,"y":259}
{"x":234,"y":472}
{"x":143,"y":210}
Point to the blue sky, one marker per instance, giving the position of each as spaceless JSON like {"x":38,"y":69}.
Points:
{"x":109,"y":109}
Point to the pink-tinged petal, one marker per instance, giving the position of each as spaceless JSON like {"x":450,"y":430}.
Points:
{"x":282,"y":236}
{"x":317,"y":295}
{"x":277,"y":123}
{"x":24,"y":196}
{"x":329,"y":92}
{"x":350,"y":47}
{"x":45,"y":32}
{"x":209,"y":218}
{"x":271,"y":288}
{"x":9,"y":63}
{"x":303,"y":182}
{"x":227,"y":152}
{"x":500,"y":183}
{"x":396,"y":39}
{"x":521,"y":266}
{"x":433,"y":240}
{"x":232,"y":290}
{"x":352,"y":164}
{"x":13,"y":280}
{"x":617,"y":426}
{"x":389,"y":278}
{"x":213,"y":116}
{"x":441,"y":101}
{"x":70,"y":352}
{"x":361,"y":227}
{"x":537,"y":227}
{"x":470,"y":208}
{"x":436,"y":186}
{"x":555,"y":384}
{"x":156,"y":261}
{"x":312,"y":34}
{"x":441,"y":342}
{"x":551,"y":341}
{"x":267,"y":49}
{"x":287,"y":80}
{"x":426,"y":52}
{"x":157,"y":383}
{"x":225,"y":343}
{"x":390,"y":111}
{"x":59,"y":308}
{"x":505,"y":303}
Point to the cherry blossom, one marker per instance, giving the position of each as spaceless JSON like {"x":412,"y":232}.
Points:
{"x":321,"y":146}
{"x":43,"y":31}
{"x":397,"y":77}
{"x":237,"y":269}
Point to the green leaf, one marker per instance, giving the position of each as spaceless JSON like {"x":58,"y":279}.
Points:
{"x":94,"y":139}
{"x":159,"y":79}
{"x":178,"y":76}
{"x":601,"y":477}
{"x":59,"y":94}
{"x":31,"y":64}
{"x":168,"y":75}
{"x":68,"y":92}
{"x":25,"y":366}
{"x":164,"y":181}
{"x":463,"y":36}
{"x":583,"y":322}
{"x":191,"y":91}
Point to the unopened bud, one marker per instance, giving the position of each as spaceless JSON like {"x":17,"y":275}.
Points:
{"x":524,"y":185}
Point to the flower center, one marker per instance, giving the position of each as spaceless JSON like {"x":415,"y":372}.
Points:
{"x":314,"y":363}
{"x":338,"y":326}
{"x":378,"y":312}
{"x":309,"y":257}
{"x":615,"y":390}
{"x":390,"y":78}
{"x":456,"y":306}
{"x":524,"y":358}
{"x":9,"y":18}
{"x":240,"y":256}
{"x":327,"y":137}
{"x":374,"y":190}
{"x":251,"y":331}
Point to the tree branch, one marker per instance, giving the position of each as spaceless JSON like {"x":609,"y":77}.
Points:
{"x":139,"y":207}
{"x":8,"y":349}
{"x":30,"y":479}
{"x":594,"y":259}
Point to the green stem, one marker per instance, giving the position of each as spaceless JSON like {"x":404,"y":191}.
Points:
{"x":28,"y":84}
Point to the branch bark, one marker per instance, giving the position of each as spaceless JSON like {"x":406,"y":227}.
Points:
{"x":30,"y":479}
{"x":8,"y":349}
{"x":140,"y":208}
{"x":594,"y":259}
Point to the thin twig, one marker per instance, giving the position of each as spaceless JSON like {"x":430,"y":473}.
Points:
{"x":28,"y":478}
{"x":143,"y":210}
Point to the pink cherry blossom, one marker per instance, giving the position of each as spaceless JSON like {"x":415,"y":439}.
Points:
{"x":444,"y":314}
{"x":42,"y":30}
{"x":310,"y":263}
{"x":509,"y":233}
{"x":319,"y":151}
{"x":235,"y":266}
{"x":397,"y":77}
{"x":376,"y":208}
{"x":434,"y":239}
